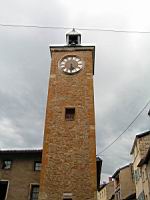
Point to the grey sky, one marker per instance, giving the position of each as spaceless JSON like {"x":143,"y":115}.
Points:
{"x":121,"y":69}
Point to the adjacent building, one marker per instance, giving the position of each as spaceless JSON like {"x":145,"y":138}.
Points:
{"x":141,"y":165}
{"x":20,"y":174}
{"x":124,"y":188}
{"x":106,"y":190}
{"x":131,"y":181}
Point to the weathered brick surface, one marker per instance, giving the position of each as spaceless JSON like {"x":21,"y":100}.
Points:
{"x":69,"y":151}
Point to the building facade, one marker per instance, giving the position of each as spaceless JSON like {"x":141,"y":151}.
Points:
{"x":106,"y":191}
{"x":139,"y":152}
{"x":20,"y":174}
{"x":69,"y":149}
{"x":124,"y":187}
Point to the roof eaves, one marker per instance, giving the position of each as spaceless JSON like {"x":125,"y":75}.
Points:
{"x":102,"y":186}
{"x":20,"y":151}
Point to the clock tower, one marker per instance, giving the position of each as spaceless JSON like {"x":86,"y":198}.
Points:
{"x":69,"y":150}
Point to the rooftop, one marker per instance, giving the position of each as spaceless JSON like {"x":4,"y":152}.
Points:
{"x":5,"y":151}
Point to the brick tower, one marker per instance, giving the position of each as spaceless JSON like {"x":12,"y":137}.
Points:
{"x":69,"y":151}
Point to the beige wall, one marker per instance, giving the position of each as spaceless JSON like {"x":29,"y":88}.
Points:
{"x":110,"y":189}
{"x":106,"y":192}
{"x":102,"y":195}
{"x":124,"y":183}
{"x":127,"y":186}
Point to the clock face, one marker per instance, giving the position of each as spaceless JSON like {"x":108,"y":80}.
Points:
{"x":71,"y":64}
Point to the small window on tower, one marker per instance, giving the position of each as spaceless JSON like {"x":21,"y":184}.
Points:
{"x":70,"y":114}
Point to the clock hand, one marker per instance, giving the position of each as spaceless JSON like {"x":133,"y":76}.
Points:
{"x":71,"y":67}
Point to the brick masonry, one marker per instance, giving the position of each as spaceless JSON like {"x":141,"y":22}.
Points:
{"x":69,"y":151}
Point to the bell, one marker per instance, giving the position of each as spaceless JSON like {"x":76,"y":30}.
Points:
{"x":73,"y":38}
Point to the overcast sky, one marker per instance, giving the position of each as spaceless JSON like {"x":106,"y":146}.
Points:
{"x":122,"y":70}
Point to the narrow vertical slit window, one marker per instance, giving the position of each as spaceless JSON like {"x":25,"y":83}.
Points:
{"x":70,"y":114}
